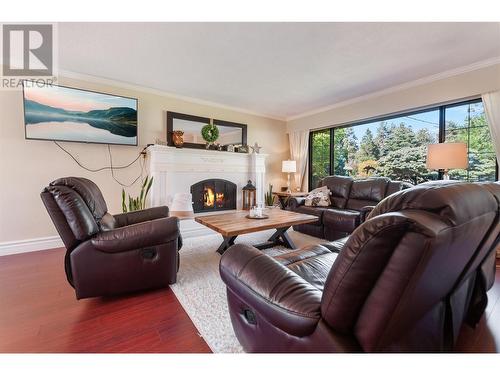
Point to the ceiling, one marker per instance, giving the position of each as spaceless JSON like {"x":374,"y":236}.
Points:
{"x":277,"y":69}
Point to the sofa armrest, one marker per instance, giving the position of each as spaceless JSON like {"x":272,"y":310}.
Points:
{"x":364,"y":212}
{"x":141,"y":216}
{"x":294,"y":202}
{"x":271,"y":290}
{"x":136,"y":236}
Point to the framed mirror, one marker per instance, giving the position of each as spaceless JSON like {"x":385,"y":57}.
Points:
{"x":230,"y":133}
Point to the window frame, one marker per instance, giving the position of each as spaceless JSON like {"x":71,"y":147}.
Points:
{"x":441,"y":131}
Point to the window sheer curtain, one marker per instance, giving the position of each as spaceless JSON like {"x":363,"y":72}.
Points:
{"x":491,"y":103}
{"x":299,"y":142}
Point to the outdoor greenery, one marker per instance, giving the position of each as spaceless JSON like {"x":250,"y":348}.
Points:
{"x":396,"y":150}
{"x":482,"y":160}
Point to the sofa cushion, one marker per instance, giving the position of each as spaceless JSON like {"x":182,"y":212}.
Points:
{"x":372,"y":189}
{"x":319,"y":197}
{"x":367,"y":192}
{"x":358,"y":204}
{"x":316,"y":211}
{"x":339,"y":186}
{"x":312,"y":263}
{"x":341,"y":220}
{"x":393,"y":187}
{"x":336,"y":246}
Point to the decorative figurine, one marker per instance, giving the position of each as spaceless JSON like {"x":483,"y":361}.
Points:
{"x":255,"y":148}
{"x":177,"y":138}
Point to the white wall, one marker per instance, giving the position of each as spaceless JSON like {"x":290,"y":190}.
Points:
{"x":443,"y":90}
{"x":26,"y":166}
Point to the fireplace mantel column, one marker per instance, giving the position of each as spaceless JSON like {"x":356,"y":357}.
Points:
{"x":258,"y":175}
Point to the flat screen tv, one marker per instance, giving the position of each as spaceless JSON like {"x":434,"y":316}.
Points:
{"x":58,"y":113}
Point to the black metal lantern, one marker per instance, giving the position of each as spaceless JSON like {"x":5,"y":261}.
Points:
{"x":249,"y":195}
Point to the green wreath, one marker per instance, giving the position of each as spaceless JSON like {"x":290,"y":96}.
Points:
{"x":210,"y":133}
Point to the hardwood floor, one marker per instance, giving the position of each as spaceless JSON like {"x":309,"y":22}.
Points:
{"x":39,"y":313}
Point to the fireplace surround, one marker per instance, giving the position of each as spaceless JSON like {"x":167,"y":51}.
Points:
{"x":176,"y":170}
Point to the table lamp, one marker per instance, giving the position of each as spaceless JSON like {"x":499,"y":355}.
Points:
{"x":288,"y":166}
{"x":447,"y":156}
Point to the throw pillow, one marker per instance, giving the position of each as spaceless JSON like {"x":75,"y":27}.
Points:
{"x":319,"y":197}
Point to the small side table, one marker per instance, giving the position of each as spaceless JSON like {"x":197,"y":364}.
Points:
{"x":283,"y":197}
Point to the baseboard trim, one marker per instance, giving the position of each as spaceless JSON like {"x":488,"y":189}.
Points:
{"x":33,"y":244}
{"x":52,"y":242}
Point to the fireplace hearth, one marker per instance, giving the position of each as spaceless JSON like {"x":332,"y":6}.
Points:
{"x":213,"y":195}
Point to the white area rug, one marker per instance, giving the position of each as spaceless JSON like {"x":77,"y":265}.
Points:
{"x":202,"y":293}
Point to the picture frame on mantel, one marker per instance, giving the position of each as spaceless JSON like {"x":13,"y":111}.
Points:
{"x":235,"y":133}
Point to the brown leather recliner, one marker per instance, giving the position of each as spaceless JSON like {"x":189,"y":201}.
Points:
{"x":351,"y":201}
{"x":404,"y":281}
{"x":111,"y":254}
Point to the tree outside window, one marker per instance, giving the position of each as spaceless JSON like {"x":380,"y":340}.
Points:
{"x":397,"y":147}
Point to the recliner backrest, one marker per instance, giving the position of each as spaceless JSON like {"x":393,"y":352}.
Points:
{"x":82,"y":205}
{"x":340,"y":187}
{"x":397,"y":268}
{"x":89,"y":192}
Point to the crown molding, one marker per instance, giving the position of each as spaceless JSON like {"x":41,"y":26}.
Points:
{"x":418,"y":82}
{"x":421,"y":81}
{"x":149,"y":90}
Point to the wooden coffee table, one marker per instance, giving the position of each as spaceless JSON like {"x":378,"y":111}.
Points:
{"x":233,"y":224}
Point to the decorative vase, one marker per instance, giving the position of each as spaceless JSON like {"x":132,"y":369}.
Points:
{"x":177,"y":138}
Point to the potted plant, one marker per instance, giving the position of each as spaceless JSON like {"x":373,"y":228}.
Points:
{"x":137,"y":203}
{"x":269,"y":197}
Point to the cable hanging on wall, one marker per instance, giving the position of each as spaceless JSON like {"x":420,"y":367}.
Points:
{"x":111,"y":167}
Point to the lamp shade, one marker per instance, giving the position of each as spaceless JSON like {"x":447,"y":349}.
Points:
{"x":447,"y":156}
{"x":182,"y":202}
{"x":289,"y":166}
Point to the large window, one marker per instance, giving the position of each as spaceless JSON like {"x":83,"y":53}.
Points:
{"x":320,"y":155}
{"x":396,"y":147}
{"x":467,"y":123}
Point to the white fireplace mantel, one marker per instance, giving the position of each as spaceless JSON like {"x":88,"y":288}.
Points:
{"x":175,"y":169}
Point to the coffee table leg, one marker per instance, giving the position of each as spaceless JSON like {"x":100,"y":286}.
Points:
{"x":226,"y":243}
{"x":280,"y":237}
{"x":287,"y":241}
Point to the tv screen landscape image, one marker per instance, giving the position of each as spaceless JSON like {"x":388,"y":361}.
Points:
{"x":59,"y":113}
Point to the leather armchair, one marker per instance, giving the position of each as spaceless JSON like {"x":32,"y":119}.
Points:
{"x":111,"y":254}
{"x":404,"y":281}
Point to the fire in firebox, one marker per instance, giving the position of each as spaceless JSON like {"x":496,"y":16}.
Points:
{"x":213,"y":195}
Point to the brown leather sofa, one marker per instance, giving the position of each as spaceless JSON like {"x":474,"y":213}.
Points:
{"x":351,"y":201}
{"x":111,"y":254}
{"x":404,"y":281}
